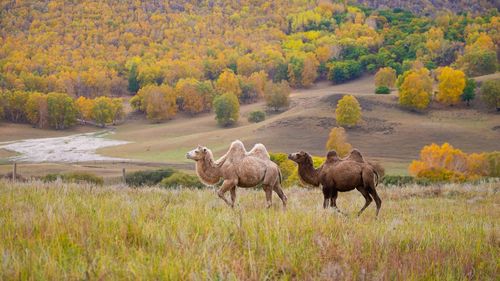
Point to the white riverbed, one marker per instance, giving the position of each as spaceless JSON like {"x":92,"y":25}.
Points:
{"x":69,"y":149}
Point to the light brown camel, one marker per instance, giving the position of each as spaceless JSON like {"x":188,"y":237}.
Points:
{"x":239,"y":168}
{"x":339,"y":175}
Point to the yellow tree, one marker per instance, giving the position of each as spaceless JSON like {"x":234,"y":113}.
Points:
{"x":246,"y":65}
{"x":37,"y":110}
{"x":337,"y":140}
{"x":415,"y":91}
{"x":348,"y":111}
{"x":228,"y":83}
{"x":386,"y":76}
{"x":160,"y":103}
{"x":192,"y":100}
{"x":258,"y":80}
{"x":451,"y":85}
{"x":84,"y":106}
{"x":310,"y":70}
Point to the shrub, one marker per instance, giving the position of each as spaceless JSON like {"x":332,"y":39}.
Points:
{"x":386,"y":76}
{"x":179,"y":179}
{"x":490,"y":93}
{"x":256,"y":116}
{"x":141,"y":178}
{"x":382,"y":90}
{"x":441,"y":175}
{"x":76,"y":177}
{"x":342,"y":71}
{"x":397,"y":180}
{"x":277,"y":95}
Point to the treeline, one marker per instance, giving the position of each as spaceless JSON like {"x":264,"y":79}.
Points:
{"x":58,"y":110}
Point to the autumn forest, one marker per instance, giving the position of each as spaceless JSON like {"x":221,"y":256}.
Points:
{"x":63,"y":61}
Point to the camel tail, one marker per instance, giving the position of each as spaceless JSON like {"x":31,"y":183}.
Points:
{"x":280,"y":176}
{"x":377,"y":179}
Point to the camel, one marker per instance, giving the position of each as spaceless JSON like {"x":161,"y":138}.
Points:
{"x":239,"y":168}
{"x":340,"y":175}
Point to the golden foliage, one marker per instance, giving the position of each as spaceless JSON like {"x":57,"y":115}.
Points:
{"x":337,"y":140}
{"x":446,"y":163}
{"x":385,"y":76}
{"x":228,"y":83}
{"x":415,"y":91}
{"x":451,"y":85}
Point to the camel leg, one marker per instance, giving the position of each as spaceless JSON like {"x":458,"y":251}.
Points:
{"x":369,"y":178}
{"x":333,"y":199}
{"x":226,"y":186}
{"x":326,"y":197}
{"x":269,"y":195}
{"x":281,"y":194}
{"x":374,"y":194}
{"x":233,"y":195}
{"x":368,"y":199}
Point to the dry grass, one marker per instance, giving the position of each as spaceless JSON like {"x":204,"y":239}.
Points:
{"x":69,"y":232}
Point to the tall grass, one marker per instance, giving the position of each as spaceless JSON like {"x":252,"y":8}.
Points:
{"x":74,"y":231}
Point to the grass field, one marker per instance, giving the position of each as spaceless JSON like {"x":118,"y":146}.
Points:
{"x":74,"y":232}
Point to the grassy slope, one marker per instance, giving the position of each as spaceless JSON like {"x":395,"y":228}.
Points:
{"x":388,"y":134}
{"x":78,"y":232}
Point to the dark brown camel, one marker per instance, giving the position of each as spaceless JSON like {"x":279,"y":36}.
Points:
{"x":339,"y":175}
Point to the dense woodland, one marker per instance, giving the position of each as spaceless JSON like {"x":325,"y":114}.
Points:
{"x":184,"y":55}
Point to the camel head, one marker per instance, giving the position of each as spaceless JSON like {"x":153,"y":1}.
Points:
{"x":300,"y":157}
{"x":198,"y":153}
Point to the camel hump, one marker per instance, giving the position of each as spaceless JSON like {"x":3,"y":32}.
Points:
{"x":259,"y":151}
{"x":332,"y":156}
{"x":235,"y":153}
{"x":355,"y":155}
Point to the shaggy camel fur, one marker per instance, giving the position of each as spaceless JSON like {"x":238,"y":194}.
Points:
{"x":239,"y":168}
{"x":339,"y":175}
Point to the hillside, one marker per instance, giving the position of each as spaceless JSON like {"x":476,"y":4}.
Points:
{"x":86,"y":232}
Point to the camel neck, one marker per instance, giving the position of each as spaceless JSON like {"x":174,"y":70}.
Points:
{"x":207,"y":171}
{"x":308,"y":173}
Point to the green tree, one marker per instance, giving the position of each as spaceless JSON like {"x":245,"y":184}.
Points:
{"x":469,"y":92}
{"x":62,"y":111}
{"x":227,"y":109}
{"x":490,"y":93}
{"x":348,"y":112}
{"x":133,"y":82}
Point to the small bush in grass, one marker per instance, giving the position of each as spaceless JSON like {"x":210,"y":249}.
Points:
{"x":397,"y":180}
{"x":179,"y":179}
{"x":256,"y":116}
{"x":382,"y":90}
{"x":83,"y":177}
{"x":140,"y":178}
{"x":76,"y":177}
